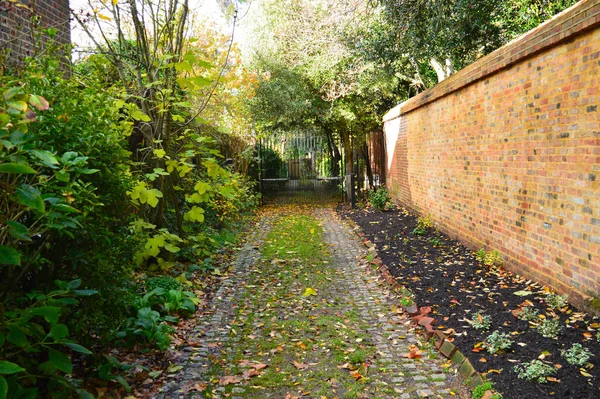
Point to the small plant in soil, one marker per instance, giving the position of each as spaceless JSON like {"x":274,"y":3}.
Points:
{"x":378,"y":199}
{"x":556,"y":301}
{"x":536,"y":371}
{"x":481,"y":321}
{"x":549,"y":328}
{"x":435,"y":241}
{"x":577,"y":355}
{"x":480,"y":390}
{"x":497,"y":341}
{"x":528,"y":313}
{"x":491,"y":258}
{"x":424,"y":223}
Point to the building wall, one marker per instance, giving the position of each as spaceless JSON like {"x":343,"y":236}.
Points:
{"x":506,"y":153}
{"x":16,"y":24}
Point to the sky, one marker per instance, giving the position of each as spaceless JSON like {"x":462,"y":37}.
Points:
{"x":208,"y":9}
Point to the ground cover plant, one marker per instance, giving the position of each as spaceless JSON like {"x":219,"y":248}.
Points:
{"x":533,"y":335}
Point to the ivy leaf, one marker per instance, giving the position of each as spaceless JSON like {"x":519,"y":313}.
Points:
{"x":9,"y":256}
{"x":7,"y":368}
{"x":61,"y":361}
{"x":196,"y":214}
{"x":152,"y":197}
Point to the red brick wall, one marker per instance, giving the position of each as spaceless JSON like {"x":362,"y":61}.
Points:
{"x":16,"y":24}
{"x":506,"y":153}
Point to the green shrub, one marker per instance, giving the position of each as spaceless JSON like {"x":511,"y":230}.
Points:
{"x":497,"y":341}
{"x":528,"y":313}
{"x":536,"y":371}
{"x":35,"y":344}
{"x":165,"y":282}
{"x":576,"y":354}
{"x":424,"y":223}
{"x":556,"y":301}
{"x":481,"y":321}
{"x":549,"y":328}
{"x":379,"y":198}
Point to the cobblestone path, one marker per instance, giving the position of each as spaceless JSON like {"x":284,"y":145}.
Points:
{"x":353,"y":327}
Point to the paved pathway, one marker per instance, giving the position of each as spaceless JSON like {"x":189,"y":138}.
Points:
{"x":354,"y":288}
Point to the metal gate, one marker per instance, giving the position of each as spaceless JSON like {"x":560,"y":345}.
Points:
{"x":299,"y":168}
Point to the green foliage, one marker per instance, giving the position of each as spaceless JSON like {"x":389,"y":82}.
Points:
{"x":480,"y":390}
{"x":549,"y":328}
{"x":424,"y":223}
{"x":149,"y":327}
{"x":165,"y":282}
{"x":35,"y":344}
{"x":528,"y":313}
{"x":378,"y":199}
{"x":535,"y":371}
{"x":576,"y":354}
{"x":556,"y":301}
{"x":489,"y":258}
{"x":497,"y":341}
{"x":481,"y":321}
{"x":272,"y":164}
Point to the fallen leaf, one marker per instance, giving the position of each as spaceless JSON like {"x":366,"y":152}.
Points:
{"x":483,"y":360}
{"x":552,"y":379}
{"x":414,"y":353}
{"x":522,"y":293}
{"x":585,"y":373}
{"x":300,"y":366}
{"x":229,"y":379}
{"x":309,"y":292}
{"x":357,"y":376}
{"x":250,"y":373}
{"x":174,"y":368}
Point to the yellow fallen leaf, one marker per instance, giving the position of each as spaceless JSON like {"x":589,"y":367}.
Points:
{"x":309,"y":291}
{"x":585,"y":373}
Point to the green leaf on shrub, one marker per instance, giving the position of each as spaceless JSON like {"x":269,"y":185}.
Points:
{"x":39,"y":102}
{"x":45,"y":156}
{"x":10,"y":93}
{"x":140,"y":116}
{"x":3,"y":388}
{"x":74,"y":284}
{"x":18,"y":230}
{"x":18,"y":338}
{"x":85,"y":292}
{"x":50,"y":313}
{"x":9,"y":368}
{"x":61,"y":361}
{"x":78,"y":348}
{"x":59,"y":331}
{"x":62,"y":175}
{"x":9,"y":256}
{"x":30,"y":197}
{"x":11,"y":167}
{"x":85,"y":394}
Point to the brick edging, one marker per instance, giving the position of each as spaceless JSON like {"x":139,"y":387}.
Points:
{"x":420,"y":317}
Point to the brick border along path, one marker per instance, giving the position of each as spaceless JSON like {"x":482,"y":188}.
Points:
{"x":358,"y":289}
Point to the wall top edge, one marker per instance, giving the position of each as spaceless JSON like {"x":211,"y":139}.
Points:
{"x":574,"y":21}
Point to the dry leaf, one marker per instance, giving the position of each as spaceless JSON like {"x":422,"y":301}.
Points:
{"x":300,"y":366}
{"x":357,"y":376}
{"x":229,"y":379}
{"x":552,"y":379}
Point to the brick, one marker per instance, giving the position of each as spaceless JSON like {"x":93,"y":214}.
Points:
{"x":448,"y":349}
{"x":506,"y":153}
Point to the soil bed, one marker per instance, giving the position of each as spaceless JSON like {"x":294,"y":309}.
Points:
{"x":446,"y":276}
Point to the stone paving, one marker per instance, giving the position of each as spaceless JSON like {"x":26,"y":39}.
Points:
{"x":358,"y":288}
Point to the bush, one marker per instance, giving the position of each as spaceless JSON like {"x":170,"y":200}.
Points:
{"x":577,"y":355}
{"x":536,"y":371}
{"x":497,"y":341}
{"x":379,"y":199}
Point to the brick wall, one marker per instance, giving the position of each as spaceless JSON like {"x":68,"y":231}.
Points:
{"x":16,"y":24}
{"x":506,"y":153}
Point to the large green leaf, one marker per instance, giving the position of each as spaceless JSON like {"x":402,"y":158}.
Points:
{"x":30,"y":197}
{"x":11,"y":167}
{"x":78,"y":348}
{"x":59,"y":331}
{"x":18,"y":338}
{"x":18,"y":230}
{"x":9,"y":256}
{"x":3,"y":388}
{"x":7,"y":368}
{"x":50,"y":313}
{"x":45,"y":156}
{"x":61,"y":361}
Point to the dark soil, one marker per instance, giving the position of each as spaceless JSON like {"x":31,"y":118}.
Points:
{"x":446,"y":276}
